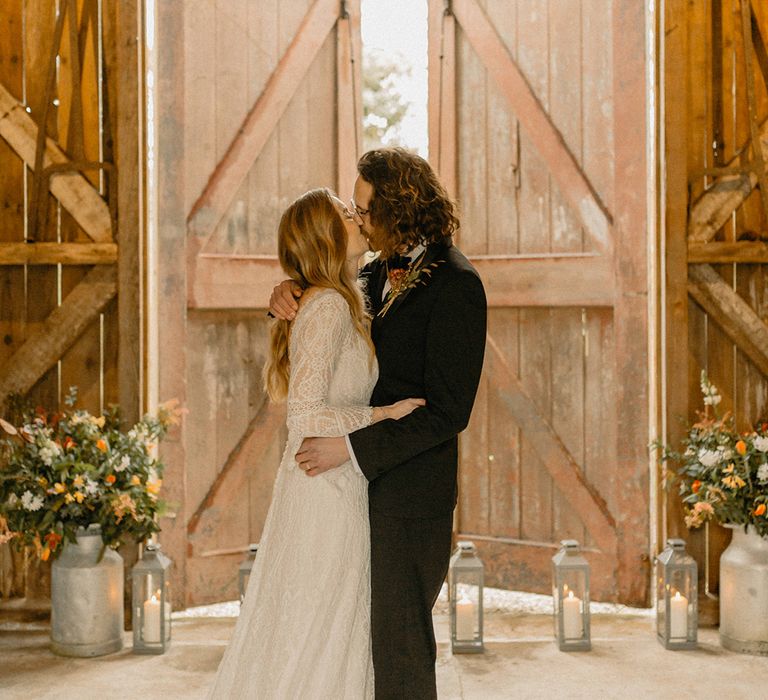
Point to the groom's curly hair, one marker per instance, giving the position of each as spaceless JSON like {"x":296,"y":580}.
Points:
{"x":409,"y":204}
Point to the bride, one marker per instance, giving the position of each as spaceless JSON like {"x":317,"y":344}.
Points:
{"x":304,"y":627}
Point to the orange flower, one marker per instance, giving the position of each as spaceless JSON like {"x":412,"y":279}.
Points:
{"x":69,"y":442}
{"x":102,"y":445}
{"x":58,"y":487}
{"x":46,"y":553}
{"x":110,"y":478}
{"x":760,"y":510}
{"x":135,"y":480}
{"x":695,"y":486}
{"x":52,"y":540}
{"x":741,"y":447}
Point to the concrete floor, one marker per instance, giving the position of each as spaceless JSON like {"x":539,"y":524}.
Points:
{"x":521,"y":661}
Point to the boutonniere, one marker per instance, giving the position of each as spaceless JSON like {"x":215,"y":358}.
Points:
{"x":404,"y":278}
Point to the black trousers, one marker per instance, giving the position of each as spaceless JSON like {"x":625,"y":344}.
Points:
{"x":409,"y":562}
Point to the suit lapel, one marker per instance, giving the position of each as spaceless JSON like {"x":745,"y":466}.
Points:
{"x":431,"y":254}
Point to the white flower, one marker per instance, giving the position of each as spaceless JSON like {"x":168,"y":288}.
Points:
{"x":91,"y":487}
{"x":125,"y":462}
{"x":48,"y":451}
{"x":762,"y":473}
{"x":761,"y":443}
{"x":689,"y":452}
{"x":13,"y":499}
{"x":30,"y":501}
{"x":713,"y":399}
{"x":710,"y":458}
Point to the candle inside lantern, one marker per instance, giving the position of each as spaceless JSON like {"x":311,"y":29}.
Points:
{"x":152,"y":620}
{"x":465,"y":619}
{"x":572,"y":623}
{"x":678,"y":616}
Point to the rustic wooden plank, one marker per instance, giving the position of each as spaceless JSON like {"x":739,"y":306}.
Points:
{"x":233,"y":476}
{"x":564,"y":168}
{"x":503,"y":158}
{"x":474,"y":467}
{"x":565,"y":110}
{"x":347,"y":117}
{"x":535,"y":383}
{"x":43,"y":348}
{"x":58,"y":253}
{"x":675,"y":330}
{"x":716,"y":206}
{"x":12,"y":290}
{"x":246,"y":282}
{"x":736,"y":318}
{"x":168,"y":245}
{"x":504,"y":437}
{"x":630,"y":233}
{"x":558,"y":462}
{"x":472,"y":119}
{"x":321,"y":119}
{"x":232,"y":169}
{"x":128,"y":71}
{"x":264,"y":208}
{"x":535,"y":231}
{"x":567,"y":408}
{"x":728,"y":252}
{"x":73,"y":190}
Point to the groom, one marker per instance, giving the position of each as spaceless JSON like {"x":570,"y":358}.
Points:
{"x":428,"y":327}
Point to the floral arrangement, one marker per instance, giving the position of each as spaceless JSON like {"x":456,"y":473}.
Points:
{"x":62,"y":471}
{"x":723,"y":475}
{"x":402,"y":279}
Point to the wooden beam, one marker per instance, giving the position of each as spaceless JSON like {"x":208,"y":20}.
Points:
{"x":442,"y":94}
{"x":549,"y":142}
{"x":58,"y":253}
{"x":634,"y":309}
{"x":348,"y":89}
{"x":566,"y":474}
{"x":263,"y":429}
{"x":727,"y":252}
{"x":713,"y":209}
{"x":726,"y":308}
{"x":42,"y":349}
{"x":72,"y":189}
{"x":232,"y":169}
{"x":246,"y":282}
{"x":128,"y":73}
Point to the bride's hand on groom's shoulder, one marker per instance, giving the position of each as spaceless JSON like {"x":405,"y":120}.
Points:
{"x":282,"y":303}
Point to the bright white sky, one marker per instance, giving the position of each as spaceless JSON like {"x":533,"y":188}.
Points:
{"x":399,"y":27}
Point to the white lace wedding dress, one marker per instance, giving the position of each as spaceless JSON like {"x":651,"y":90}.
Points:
{"x":304,"y":627}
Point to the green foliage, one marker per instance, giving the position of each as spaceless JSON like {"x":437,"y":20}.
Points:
{"x":721,"y":474}
{"x":62,"y":471}
{"x":383,"y":105}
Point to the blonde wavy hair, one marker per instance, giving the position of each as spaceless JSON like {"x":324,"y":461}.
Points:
{"x":312,"y":249}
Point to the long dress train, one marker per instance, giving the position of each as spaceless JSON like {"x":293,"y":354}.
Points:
{"x":304,"y":627}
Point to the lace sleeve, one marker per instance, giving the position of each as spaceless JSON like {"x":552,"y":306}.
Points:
{"x":317,"y":337}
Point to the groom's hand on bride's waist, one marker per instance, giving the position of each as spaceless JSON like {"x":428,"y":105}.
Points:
{"x":320,"y":454}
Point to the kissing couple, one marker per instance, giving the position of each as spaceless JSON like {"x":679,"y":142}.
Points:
{"x":379,"y":367}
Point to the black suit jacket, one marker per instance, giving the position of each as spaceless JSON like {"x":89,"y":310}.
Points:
{"x":429,"y":344}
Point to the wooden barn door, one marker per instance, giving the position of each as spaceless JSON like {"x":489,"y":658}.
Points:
{"x":270,"y":108}
{"x":537,"y":124}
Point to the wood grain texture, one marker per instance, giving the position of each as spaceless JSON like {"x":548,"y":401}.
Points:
{"x":43,"y":348}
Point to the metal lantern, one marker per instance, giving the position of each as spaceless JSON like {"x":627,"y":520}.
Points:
{"x":151,"y":602}
{"x":465,"y":590}
{"x":676,"y":597}
{"x":244,"y":571}
{"x":570,"y":593}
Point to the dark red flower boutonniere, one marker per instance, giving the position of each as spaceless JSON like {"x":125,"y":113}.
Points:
{"x":404,"y":278}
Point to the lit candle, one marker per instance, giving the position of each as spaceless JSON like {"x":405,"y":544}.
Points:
{"x":465,"y":619}
{"x":152,"y":620}
{"x":572,"y":627}
{"x":678,"y":617}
